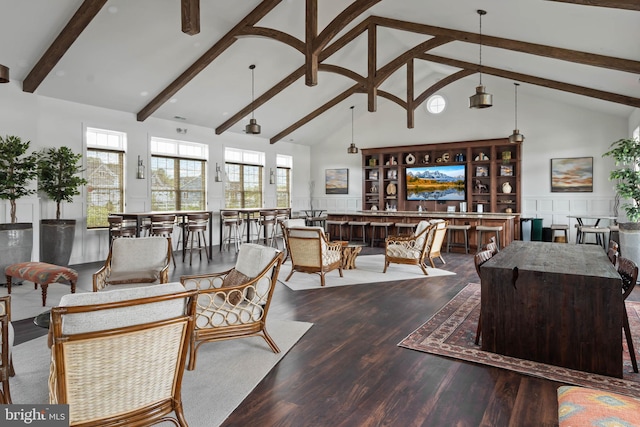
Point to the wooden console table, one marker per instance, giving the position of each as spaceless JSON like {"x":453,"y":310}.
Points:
{"x":556,"y":304}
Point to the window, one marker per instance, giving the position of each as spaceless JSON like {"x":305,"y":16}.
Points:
{"x":243,"y":186}
{"x":435,"y":104}
{"x":105,"y":170}
{"x":178,"y":175}
{"x":283,"y":181}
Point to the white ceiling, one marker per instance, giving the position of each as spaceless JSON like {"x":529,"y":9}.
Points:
{"x":134,"y":49}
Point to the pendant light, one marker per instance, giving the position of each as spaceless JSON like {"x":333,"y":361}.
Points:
{"x":4,"y":74}
{"x":253,"y":127}
{"x":352,"y":148}
{"x":516,"y":136}
{"x":481,"y":99}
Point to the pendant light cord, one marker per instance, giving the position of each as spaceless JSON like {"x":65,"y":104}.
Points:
{"x":352,"y":124}
{"x":252,"y":67}
{"x":481,"y":12}
{"x":516,"y":85}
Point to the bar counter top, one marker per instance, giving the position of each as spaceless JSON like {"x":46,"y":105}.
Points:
{"x":430,"y":214}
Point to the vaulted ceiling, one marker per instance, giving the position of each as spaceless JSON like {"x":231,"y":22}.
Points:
{"x":188,"y":60}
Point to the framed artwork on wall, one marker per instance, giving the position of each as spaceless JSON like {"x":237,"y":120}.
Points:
{"x":572,"y":175}
{"x":336,"y":181}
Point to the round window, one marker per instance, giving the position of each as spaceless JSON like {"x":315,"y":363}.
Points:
{"x":436,"y":104}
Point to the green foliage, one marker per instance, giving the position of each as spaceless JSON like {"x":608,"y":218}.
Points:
{"x":626,"y":153}
{"x":57,"y":175}
{"x":17,"y":168}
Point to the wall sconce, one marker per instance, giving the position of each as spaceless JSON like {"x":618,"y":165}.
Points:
{"x":272,"y":177}
{"x":218,"y":173}
{"x":140,"y":172}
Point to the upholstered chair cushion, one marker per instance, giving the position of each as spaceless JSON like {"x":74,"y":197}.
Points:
{"x":422,"y":225}
{"x":126,"y":316}
{"x":138,"y":260}
{"x":294,"y":222}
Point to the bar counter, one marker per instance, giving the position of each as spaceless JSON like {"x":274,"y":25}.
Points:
{"x":508,"y":221}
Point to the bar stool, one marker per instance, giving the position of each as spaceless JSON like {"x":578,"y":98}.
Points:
{"x":362,"y":224}
{"x":597,"y":232}
{"x":489,"y":229}
{"x":335,"y":223}
{"x":230,"y":229}
{"x":266,"y":223}
{"x":405,"y":228}
{"x":276,"y":232}
{"x":119,"y":228}
{"x":162,"y":225}
{"x":560,"y":227}
{"x":195,"y":228}
{"x":374,"y":225}
{"x":464,"y":228}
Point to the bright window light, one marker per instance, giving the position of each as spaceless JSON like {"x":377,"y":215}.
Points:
{"x":436,"y":104}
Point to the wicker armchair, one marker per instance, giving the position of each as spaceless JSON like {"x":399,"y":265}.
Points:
{"x":312,"y":253}
{"x":438,"y":239}
{"x":134,"y":263}
{"x":6,"y":334}
{"x":118,"y":357}
{"x":289,"y":223}
{"x":235,"y":303}
{"x":410,"y":249}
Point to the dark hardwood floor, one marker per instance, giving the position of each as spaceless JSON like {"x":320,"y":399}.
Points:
{"x":347,"y":370}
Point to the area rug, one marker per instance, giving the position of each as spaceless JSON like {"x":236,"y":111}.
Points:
{"x":225,"y":374}
{"x":451,"y":332}
{"x":26,"y":302}
{"x":368,"y":270}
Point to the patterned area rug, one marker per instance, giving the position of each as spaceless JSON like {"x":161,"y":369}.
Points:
{"x":452,"y":330}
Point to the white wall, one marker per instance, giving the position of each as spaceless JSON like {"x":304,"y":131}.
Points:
{"x":551,"y":129}
{"x":48,"y":122}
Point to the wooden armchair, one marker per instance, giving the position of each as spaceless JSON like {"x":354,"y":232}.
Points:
{"x":438,"y":240}
{"x":410,"y":249}
{"x":312,"y":253}
{"x":118,"y":357}
{"x":6,"y":334}
{"x":235,"y":303}
{"x":135,"y":262}
{"x":289,"y":223}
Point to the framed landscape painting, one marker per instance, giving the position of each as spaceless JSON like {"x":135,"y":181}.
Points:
{"x":336,"y":181}
{"x":572,"y":175}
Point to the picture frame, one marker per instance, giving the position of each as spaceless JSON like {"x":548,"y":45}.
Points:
{"x":373,"y":175}
{"x":336,"y":181}
{"x":506,"y":170}
{"x":572,"y":175}
{"x":482,"y":171}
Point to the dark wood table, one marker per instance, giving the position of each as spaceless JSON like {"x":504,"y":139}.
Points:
{"x":559,"y":304}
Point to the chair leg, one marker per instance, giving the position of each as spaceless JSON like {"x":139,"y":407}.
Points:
{"x":270,"y":341}
{"x":478,"y":330}
{"x":627,"y":333}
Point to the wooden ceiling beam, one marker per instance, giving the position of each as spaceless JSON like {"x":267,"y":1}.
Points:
{"x":615,"y":4}
{"x":311,"y":32}
{"x":190,"y":13}
{"x":584,"y":58}
{"x":318,"y":111}
{"x":207,"y":58}
{"x":80,"y":20}
{"x":440,"y":84}
{"x":552,"y":84}
{"x":276,"y":35}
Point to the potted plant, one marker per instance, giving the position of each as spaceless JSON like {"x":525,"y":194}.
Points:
{"x":58,"y":179}
{"x":17,"y":169}
{"x":626,"y":153}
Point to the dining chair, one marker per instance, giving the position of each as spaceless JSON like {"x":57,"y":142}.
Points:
{"x":479,"y":259}
{"x":162,"y":225}
{"x":628,"y":270}
{"x":195,"y":228}
{"x":613,"y":252}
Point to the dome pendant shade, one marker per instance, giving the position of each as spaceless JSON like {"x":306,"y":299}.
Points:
{"x":4,"y":74}
{"x":253,"y":128}
{"x":352,"y":149}
{"x":516,"y":137}
{"x":481,"y":99}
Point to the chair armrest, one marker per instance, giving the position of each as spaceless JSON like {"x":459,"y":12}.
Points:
{"x":204,"y":281}
{"x":100,"y":278}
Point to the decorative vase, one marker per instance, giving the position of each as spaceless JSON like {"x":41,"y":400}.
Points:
{"x":506,"y":187}
{"x":56,"y":240}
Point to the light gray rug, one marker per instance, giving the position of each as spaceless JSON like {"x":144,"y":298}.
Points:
{"x":26,"y":302}
{"x":225,"y":373}
{"x":368,"y":270}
